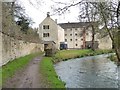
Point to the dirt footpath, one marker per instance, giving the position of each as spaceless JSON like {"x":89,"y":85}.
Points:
{"x":29,"y":77}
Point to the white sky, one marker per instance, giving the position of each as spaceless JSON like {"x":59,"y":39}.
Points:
{"x":38,"y":14}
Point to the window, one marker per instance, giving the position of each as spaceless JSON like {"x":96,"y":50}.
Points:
{"x":70,"y":39}
{"x":76,"y":39}
{"x":45,"y":26}
{"x":75,"y":28}
{"x":65,"y":40}
{"x":46,"y":35}
{"x":76,"y":44}
{"x":87,"y":34}
{"x":70,"y":34}
{"x":65,"y":34}
{"x":75,"y":34}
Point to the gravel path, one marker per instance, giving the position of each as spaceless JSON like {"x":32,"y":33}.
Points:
{"x":29,"y":77}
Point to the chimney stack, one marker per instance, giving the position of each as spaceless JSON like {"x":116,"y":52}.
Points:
{"x":48,"y":14}
{"x":56,"y":20}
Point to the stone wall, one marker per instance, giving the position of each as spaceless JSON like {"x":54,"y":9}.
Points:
{"x":105,"y":43}
{"x":0,"y":33}
{"x":13,"y":42}
{"x":13,"y":48}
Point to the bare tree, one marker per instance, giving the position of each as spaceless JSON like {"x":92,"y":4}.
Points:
{"x":118,"y":15}
{"x":107,"y":14}
{"x":89,"y":13}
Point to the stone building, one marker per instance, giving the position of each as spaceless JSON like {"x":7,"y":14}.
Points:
{"x":77,"y":35}
{"x":105,"y":42}
{"x":50,"y":31}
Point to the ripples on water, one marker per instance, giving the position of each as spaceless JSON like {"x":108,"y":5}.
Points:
{"x":88,"y":72}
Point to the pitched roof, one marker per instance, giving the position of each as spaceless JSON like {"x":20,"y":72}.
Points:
{"x":74,"y":25}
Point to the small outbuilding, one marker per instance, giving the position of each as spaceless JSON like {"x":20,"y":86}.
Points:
{"x":49,"y":48}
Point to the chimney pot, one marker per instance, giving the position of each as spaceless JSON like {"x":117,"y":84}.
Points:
{"x":56,"y":20}
{"x":48,"y":14}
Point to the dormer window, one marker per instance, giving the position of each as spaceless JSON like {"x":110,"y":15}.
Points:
{"x":45,"y":26}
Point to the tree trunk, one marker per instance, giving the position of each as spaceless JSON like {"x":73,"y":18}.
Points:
{"x":93,"y":38}
{"x":84,"y":38}
{"x":116,"y":40}
{"x":118,"y":15}
{"x":117,"y":46}
{"x":118,"y":33}
{"x":118,"y":54}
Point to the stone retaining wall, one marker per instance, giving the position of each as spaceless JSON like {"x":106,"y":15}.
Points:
{"x":12,"y":48}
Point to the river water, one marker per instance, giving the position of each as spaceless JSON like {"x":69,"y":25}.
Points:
{"x":89,"y":72}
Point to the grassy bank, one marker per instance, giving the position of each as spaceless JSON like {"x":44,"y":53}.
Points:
{"x":114,"y":59}
{"x":48,"y":72}
{"x":10,"y":68}
{"x":47,"y":67}
{"x":69,"y":54}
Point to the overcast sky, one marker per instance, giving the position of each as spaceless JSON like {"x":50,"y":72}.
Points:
{"x":39,"y":13}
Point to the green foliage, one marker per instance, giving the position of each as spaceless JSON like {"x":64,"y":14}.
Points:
{"x":48,"y":72}
{"x":20,"y":28}
{"x":113,"y":58}
{"x":21,"y":17}
{"x":24,"y":24}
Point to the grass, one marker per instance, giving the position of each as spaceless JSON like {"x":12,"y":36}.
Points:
{"x":48,"y":72}
{"x":10,"y":69}
{"x":114,"y":58}
{"x":65,"y":54}
{"x":0,"y":78}
{"x":47,"y":64}
{"x":69,"y":54}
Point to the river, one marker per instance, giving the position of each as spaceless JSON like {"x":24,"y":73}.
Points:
{"x":89,"y":72}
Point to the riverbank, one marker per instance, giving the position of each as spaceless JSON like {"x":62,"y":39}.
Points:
{"x":114,"y":59}
{"x":48,"y":73}
{"x":47,"y":64}
{"x":64,"y":55}
{"x":12,"y":67}
{"x":88,"y":72}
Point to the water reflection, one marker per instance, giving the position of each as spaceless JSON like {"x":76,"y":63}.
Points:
{"x":88,"y":72}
